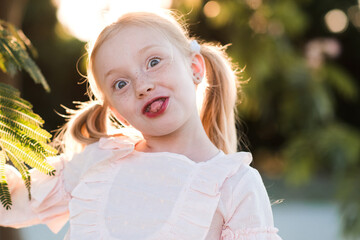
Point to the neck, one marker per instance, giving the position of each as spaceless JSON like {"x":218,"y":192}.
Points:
{"x":191,"y":142}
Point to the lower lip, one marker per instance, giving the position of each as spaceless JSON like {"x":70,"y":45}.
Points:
{"x":161,"y":110}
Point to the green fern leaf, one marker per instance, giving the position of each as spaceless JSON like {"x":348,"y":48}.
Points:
{"x":23,"y":60}
{"x":11,"y":99}
{"x":21,"y":167}
{"x":14,"y":48}
{"x":2,"y":63}
{"x":28,"y":156}
{"x":13,"y":136}
{"x":19,"y":114}
{"x":8,"y":90}
{"x":9,"y":66}
{"x":7,"y":53}
{"x":50,"y":151}
{"x":22,"y":140}
{"x":10,"y":30}
{"x":5,"y":198}
{"x":37,"y":133}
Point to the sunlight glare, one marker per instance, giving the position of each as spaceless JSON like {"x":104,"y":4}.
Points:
{"x":84,"y":19}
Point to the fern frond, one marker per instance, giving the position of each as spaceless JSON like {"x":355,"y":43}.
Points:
{"x":13,"y":106}
{"x":20,"y":114}
{"x":24,"y":61}
{"x":8,"y":54}
{"x":5,"y":198}
{"x":19,"y":35}
{"x":10,"y":135}
{"x":50,"y":151}
{"x":6,"y":99}
{"x":22,"y":39}
{"x":29,"y":157}
{"x":24,"y":171}
{"x":36,"y":133}
{"x":22,"y":140}
{"x":8,"y":90}
{"x":2,"y":63}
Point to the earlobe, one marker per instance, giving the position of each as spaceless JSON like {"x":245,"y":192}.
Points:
{"x":198,"y":68}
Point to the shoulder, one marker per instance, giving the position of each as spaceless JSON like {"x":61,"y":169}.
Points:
{"x":244,"y":185}
{"x":244,"y":174}
{"x":104,"y":149}
{"x":95,"y":156}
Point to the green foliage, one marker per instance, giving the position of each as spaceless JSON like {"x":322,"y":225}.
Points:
{"x":14,"y":47}
{"x":23,"y":142}
{"x":4,"y":190}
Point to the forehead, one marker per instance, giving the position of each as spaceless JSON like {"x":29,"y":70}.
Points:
{"x":127,"y":45}
{"x":132,"y":39}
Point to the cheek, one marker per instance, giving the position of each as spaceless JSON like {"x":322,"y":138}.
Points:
{"x":119,"y":104}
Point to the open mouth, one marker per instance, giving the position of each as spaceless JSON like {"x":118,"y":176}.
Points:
{"x":156,"y":106}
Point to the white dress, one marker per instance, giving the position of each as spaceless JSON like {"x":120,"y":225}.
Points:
{"x":111,"y":191}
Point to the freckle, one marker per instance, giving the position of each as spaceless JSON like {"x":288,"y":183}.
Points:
{"x":162,"y":200}
{"x":126,"y":222}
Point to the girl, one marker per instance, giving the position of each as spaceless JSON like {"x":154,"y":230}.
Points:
{"x":171,"y":172}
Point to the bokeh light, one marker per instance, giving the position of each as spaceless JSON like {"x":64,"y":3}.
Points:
{"x":317,"y":49}
{"x":254,"y":4}
{"x":85,"y":18}
{"x":276,"y":28}
{"x":258,"y":23}
{"x":212,"y":9}
{"x":336,"y":21}
{"x":354,"y":15}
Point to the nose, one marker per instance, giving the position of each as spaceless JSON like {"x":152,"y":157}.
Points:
{"x":143,"y":88}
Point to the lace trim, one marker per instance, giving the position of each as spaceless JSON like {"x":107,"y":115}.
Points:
{"x":260,"y":233}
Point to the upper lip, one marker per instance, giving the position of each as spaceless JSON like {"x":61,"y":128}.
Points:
{"x":151,"y":101}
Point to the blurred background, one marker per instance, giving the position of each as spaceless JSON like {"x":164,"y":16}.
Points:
{"x":300,"y":107}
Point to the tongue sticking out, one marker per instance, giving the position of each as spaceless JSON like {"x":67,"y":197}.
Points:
{"x":155,"y":106}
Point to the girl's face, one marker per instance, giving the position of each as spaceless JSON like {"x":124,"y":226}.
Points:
{"x":146,"y":81}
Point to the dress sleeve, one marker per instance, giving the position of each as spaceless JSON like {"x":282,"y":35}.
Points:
{"x":248,"y":214}
{"x":49,"y":202}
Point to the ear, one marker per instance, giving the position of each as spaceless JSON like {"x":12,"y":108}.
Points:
{"x":198,"y":67}
{"x":119,"y":117}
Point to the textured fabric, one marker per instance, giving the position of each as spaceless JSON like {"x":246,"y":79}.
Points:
{"x":49,"y":203}
{"x":111,"y":191}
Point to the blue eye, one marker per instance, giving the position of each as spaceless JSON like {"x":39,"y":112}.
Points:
{"x":120,"y":84}
{"x":153,"y":62}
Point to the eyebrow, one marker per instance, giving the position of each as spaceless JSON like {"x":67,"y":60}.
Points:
{"x":141,"y":51}
{"x":144,"y":49}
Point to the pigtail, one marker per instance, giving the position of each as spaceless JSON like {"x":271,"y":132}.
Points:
{"x":218,"y":108}
{"x":85,"y":125}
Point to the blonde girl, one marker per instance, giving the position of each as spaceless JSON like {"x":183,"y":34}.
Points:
{"x":172,"y":170}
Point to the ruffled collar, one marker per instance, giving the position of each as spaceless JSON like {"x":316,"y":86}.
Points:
{"x":123,"y":142}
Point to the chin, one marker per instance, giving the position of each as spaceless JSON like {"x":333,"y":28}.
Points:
{"x":158,"y":133}
{"x":162,"y":130}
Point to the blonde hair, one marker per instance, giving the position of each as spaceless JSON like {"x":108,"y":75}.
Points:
{"x":91,"y":121}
